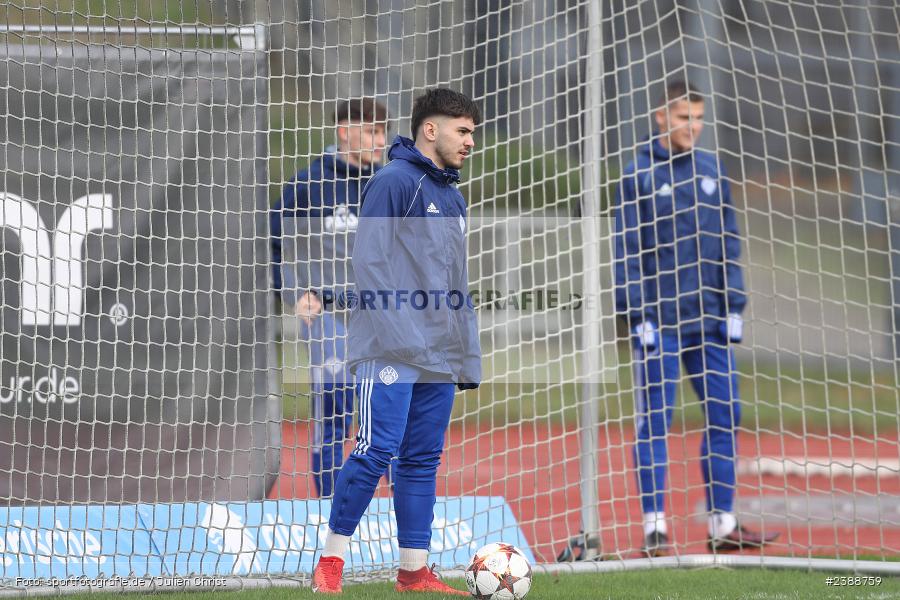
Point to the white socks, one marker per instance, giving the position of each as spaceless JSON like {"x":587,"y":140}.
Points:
{"x":721,"y":524}
{"x":413,"y":559}
{"x":655,"y":521}
{"x":336,"y":544}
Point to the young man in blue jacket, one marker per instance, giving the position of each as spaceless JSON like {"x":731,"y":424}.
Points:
{"x":313,"y":226}
{"x":413,"y":335}
{"x":681,"y":289}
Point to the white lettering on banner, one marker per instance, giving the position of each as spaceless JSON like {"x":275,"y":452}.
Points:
{"x":447,"y":534}
{"x":22,"y":541}
{"x":376,"y":537}
{"x":281,"y":537}
{"x":89,"y":213}
{"x":227,"y":532}
{"x":42,"y":263}
{"x":10,"y":546}
{"x":44,"y":546}
{"x":388,"y":532}
{"x":440,"y":536}
{"x":60,"y":544}
{"x":118,"y":314}
{"x":377,"y":533}
{"x":37,"y":276}
{"x":270,"y":536}
{"x":48,"y":389}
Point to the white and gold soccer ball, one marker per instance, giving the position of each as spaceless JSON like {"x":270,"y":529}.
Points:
{"x":499,"y":572}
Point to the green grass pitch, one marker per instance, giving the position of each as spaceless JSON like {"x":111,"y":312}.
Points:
{"x":668,"y":584}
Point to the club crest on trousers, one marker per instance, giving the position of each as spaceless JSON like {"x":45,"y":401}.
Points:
{"x":388,"y":375}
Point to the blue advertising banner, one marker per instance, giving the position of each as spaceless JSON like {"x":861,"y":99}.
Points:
{"x":61,"y":541}
{"x":254,"y":538}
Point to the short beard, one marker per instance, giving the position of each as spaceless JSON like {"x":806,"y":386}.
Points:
{"x":450,"y":159}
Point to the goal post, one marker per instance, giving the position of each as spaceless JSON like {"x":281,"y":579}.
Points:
{"x":800,"y":115}
{"x":160,"y":411}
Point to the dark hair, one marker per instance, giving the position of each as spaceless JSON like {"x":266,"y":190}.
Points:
{"x":679,"y":89}
{"x":361,"y":110}
{"x":444,"y":102}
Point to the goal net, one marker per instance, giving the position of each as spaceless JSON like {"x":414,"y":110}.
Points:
{"x":162,"y":407}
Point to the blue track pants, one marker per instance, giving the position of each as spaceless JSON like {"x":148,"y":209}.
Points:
{"x":331,"y":399}
{"x":403,"y":417}
{"x":709,"y":364}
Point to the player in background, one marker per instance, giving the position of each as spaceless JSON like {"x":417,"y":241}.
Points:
{"x":681,"y":289}
{"x":313,"y":226}
{"x":410,"y":348}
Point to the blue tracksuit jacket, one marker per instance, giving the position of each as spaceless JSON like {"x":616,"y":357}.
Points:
{"x":677,"y":242}
{"x":317,"y":213}
{"x":412,"y":238}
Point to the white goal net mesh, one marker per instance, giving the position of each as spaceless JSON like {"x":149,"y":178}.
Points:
{"x":162,"y":406}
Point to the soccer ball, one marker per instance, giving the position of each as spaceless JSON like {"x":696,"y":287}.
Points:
{"x":499,"y":572}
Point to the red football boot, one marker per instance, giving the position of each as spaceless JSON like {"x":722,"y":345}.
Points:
{"x":424,"y":580}
{"x":327,"y":577}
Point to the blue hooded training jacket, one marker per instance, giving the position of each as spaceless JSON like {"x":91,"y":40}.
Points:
{"x":677,"y":243}
{"x":409,"y":260}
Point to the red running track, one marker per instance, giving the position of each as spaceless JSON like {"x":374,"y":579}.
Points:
{"x":536,"y":468}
